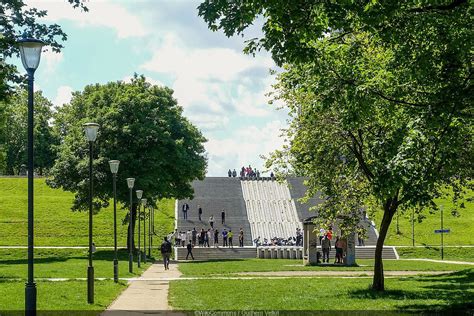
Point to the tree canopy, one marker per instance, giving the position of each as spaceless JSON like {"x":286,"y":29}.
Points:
{"x":142,"y":126}
{"x":14,"y":138}
{"x":380,"y":94}
{"x":16,"y":19}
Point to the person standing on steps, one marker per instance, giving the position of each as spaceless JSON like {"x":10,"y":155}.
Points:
{"x":230,"y":235}
{"x":166,"y":253}
{"x":200,"y":212}
{"x":190,"y":250}
{"x":241,"y":237}
{"x":185,"y":211}
{"x":211,"y":221}
{"x":224,"y":238}
{"x":234,"y":173}
{"x":216,"y":238}
{"x":223,"y":217}
{"x":194,"y":236}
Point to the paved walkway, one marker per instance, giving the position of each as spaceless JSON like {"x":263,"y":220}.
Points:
{"x":148,"y":292}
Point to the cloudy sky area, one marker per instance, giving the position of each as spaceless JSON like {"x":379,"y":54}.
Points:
{"x":221,"y":89}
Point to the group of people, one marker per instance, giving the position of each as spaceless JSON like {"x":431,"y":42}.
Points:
{"x":205,"y":238}
{"x":280,"y":241}
{"x":340,"y":245}
{"x":247,"y":173}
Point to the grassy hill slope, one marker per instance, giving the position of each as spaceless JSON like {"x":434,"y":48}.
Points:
{"x":56,"y":224}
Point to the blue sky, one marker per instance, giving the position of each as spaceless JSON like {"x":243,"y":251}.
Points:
{"x":222,"y":90}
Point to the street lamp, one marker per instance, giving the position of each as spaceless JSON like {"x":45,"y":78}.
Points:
{"x":144,"y":229}
{"x":149,"y":230}
{"x":30,"y":51}
{"x":139,"y":197}
{"x":130,"y":184}
{"x":114,"y":166}
{"x":91,"y":130}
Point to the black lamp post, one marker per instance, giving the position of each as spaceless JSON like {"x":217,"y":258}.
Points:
{"x":30,"y":51}
{"x":130,"y":184}
{"x":91,"y":130}
{"x":149,"y":231}
{"x":114,"y":166}
{"x":139,"y":197}
{"x":144,"y":229}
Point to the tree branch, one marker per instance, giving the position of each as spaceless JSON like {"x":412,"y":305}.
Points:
{"x":444,"y":7}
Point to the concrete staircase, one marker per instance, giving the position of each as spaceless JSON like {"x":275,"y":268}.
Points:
{"x":204,"y":253}
{"x":214,"y":195}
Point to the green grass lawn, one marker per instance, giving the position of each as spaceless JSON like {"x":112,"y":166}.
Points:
{"x":450,"y":253}
{"x":411,"y":294}
{"x":56,"y":224}
{"x":70,"y":295}
{"x":64,"y":263}
{"x":207,"y":268}
{"x":462,"y":227}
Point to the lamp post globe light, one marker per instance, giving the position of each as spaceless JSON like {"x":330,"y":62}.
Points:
{"x":114,"y":166}
{"x":91,"y":130}
{"x":139,"y":197}
{"x":130,"y":184}
{"x":30,"y":51}
{"x":144,"y":229}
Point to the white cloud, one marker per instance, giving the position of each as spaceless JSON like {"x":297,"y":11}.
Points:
{"x":213,"y":82}
{"x":102,"y":13}
{"x":243,"y":148}
{"x":50,"y":61}
{"x":63,"y":96}
{"x":152,"y":81}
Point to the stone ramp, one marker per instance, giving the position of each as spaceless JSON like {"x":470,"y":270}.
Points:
{"x":214,"y":194}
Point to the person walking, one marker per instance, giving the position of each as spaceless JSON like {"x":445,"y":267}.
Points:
{"x":211,"y":221}
{"x":241,"y":237}
{"x":190,"y":250}
{"x":185,"y":211}
{"x":183,"y":238}
{"x":200,"y":212}
{"x":234,"y":173}
{"x":216,"y":238}
{"x":326,"y":245}
{"x":166,"y":253}
{"x":223,"y":217}
{"x":177,"y":238}
{"x":230,"y":236}
{"x":224,"y":238}
{"x":229,"y":173}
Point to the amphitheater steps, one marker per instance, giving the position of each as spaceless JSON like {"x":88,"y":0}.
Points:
{"x":204,"y":253}
{"x":211,"y":253}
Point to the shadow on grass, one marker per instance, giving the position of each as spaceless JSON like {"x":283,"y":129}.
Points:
{"x":100,"y":255}
{"x":455,"y":290}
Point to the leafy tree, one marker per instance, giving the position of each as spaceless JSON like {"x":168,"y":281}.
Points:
{"x":359,"y":149}
{"x":15,"y":133}
{"x":380,"y":93}
{"x":142,"y":126}
{"x":16,"y":18}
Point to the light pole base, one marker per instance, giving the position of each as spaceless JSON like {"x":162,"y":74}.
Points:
{"x":115,"y":270}
{"x":30,"y":299}
{"x":90,"y":285}
{"x":130,"y":263}
{"x":139,"y":257}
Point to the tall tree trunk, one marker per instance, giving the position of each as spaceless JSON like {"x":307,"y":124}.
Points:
{"x":389,"y":210}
